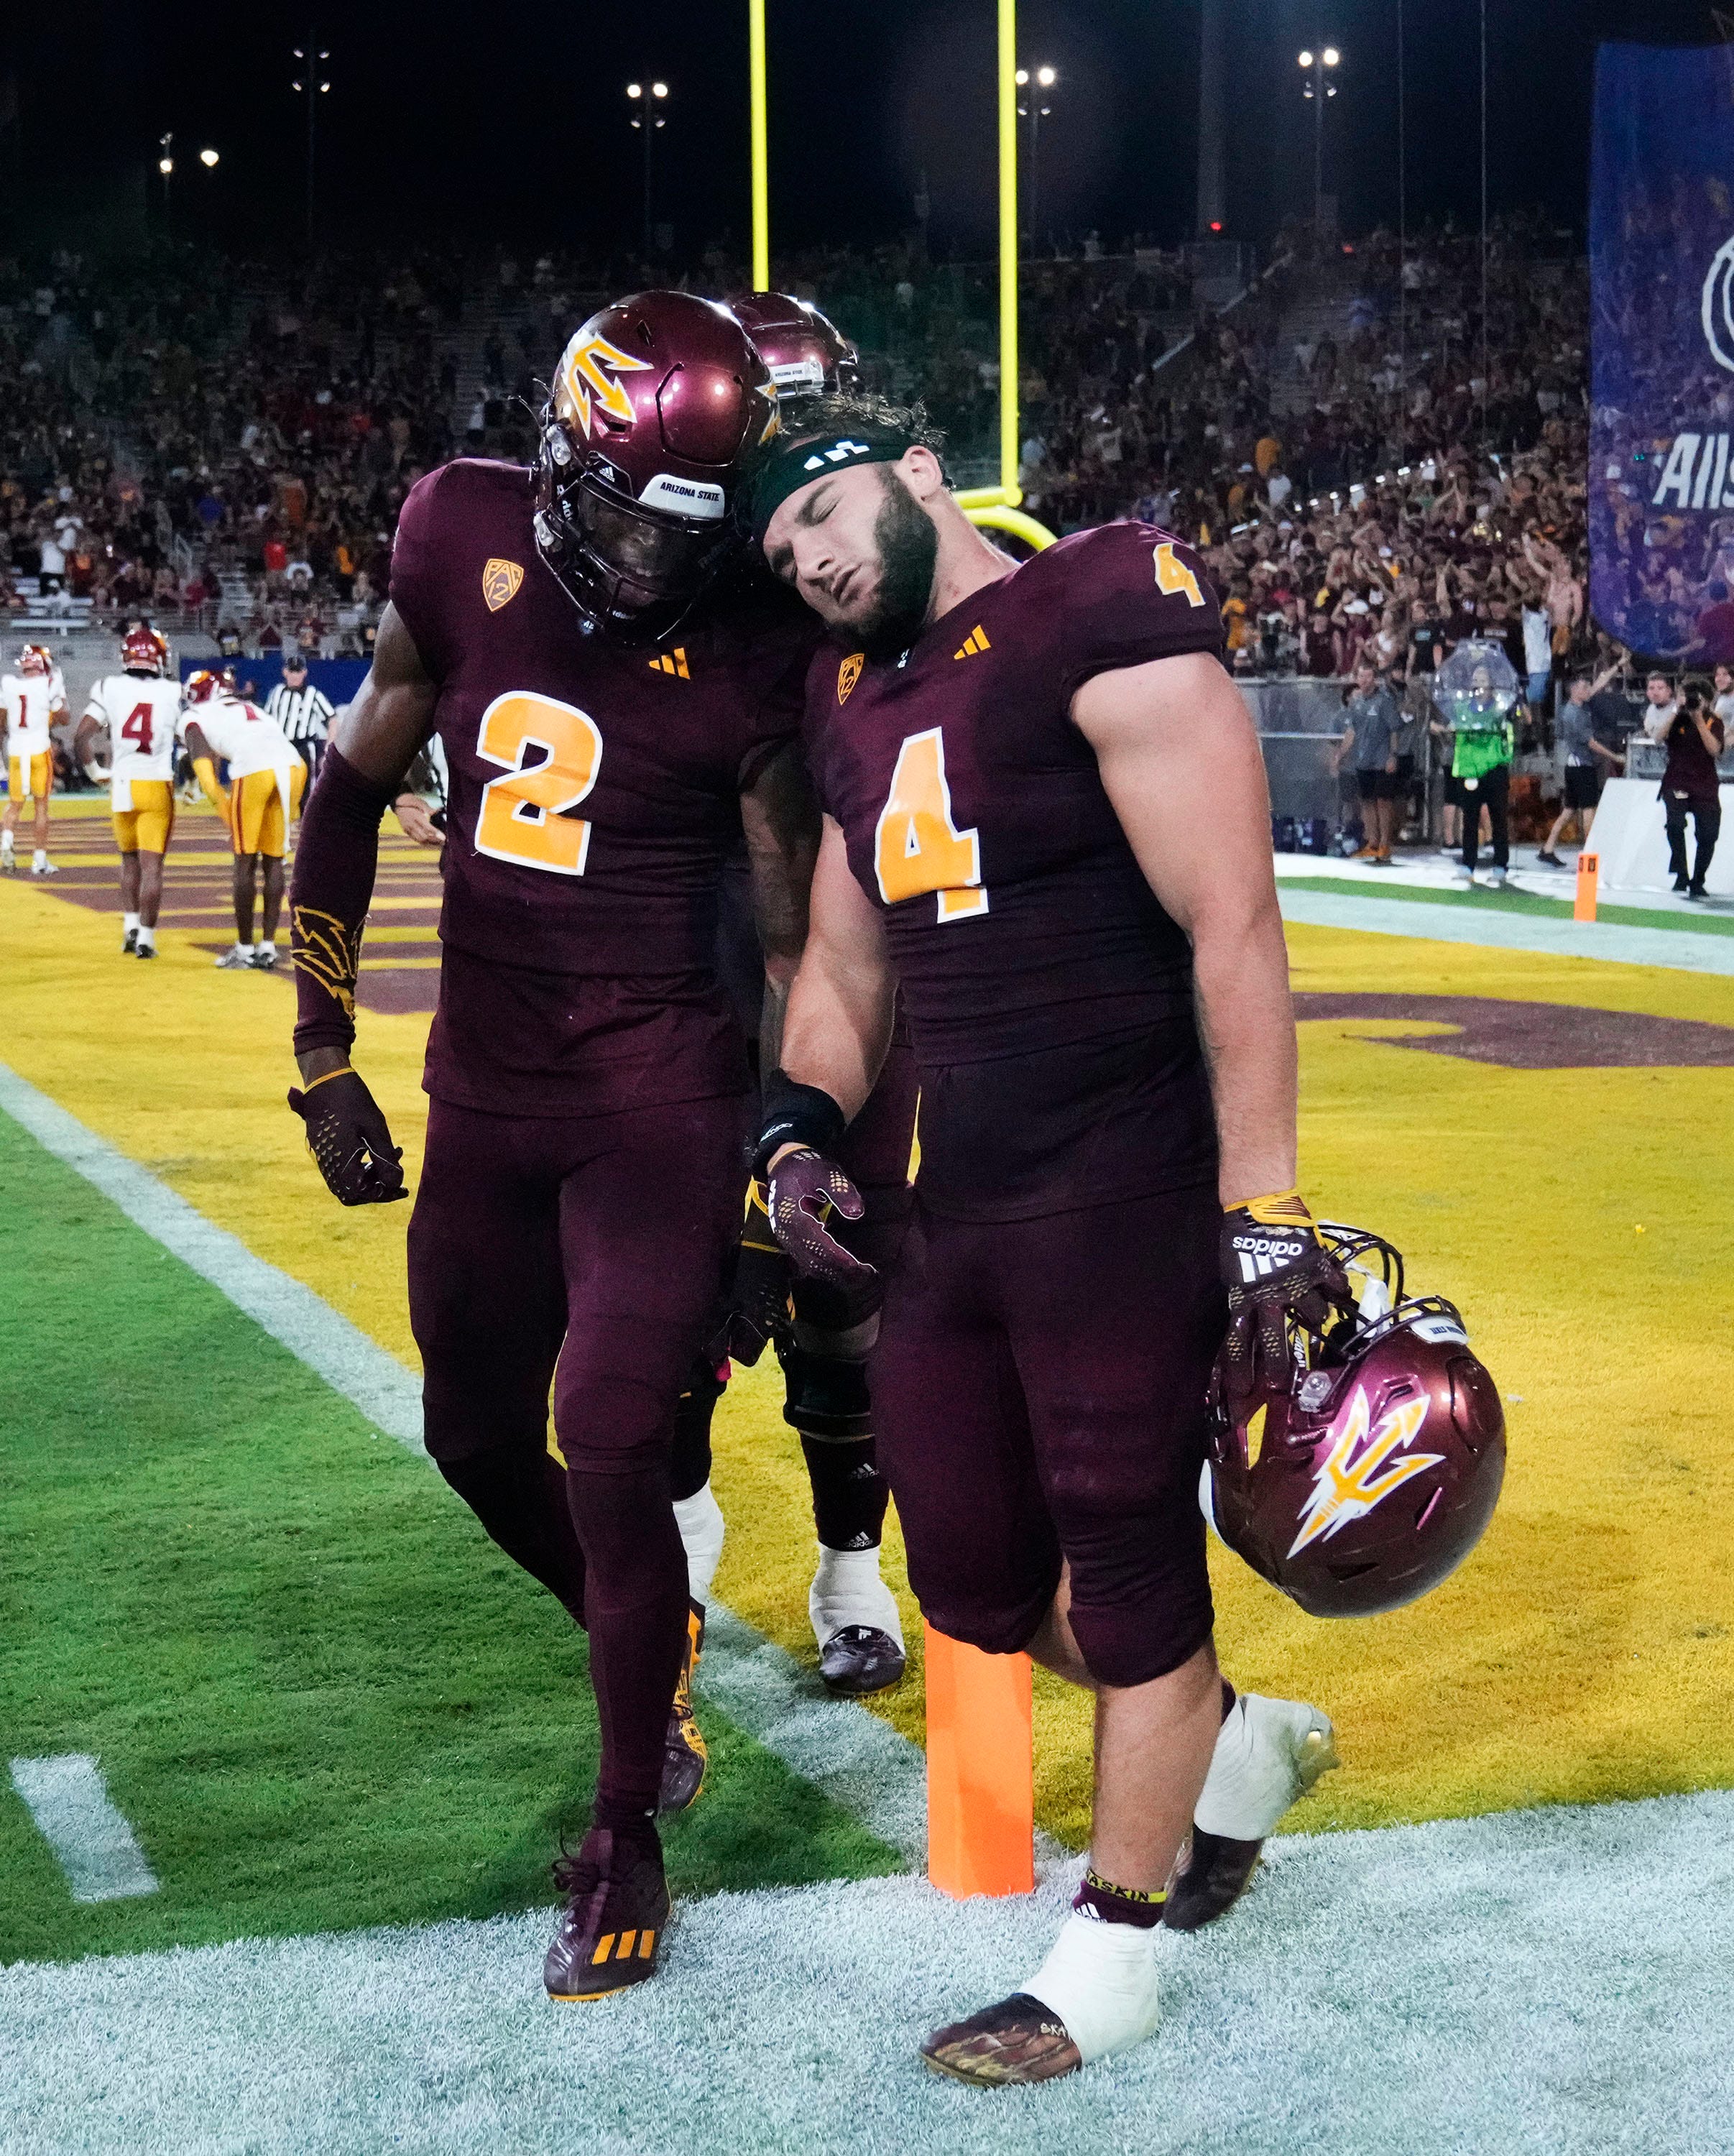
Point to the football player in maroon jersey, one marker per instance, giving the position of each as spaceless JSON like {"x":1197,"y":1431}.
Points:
{"x":615,"y":703}
{"x":1045,"y":814}
{"x":822,"y":1335}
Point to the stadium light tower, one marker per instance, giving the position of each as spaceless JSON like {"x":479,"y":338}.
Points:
{"x":312,"y":85}
{"x":1035,"y":89}
{"x":1320,"y":67}
{"x":648,"y":97}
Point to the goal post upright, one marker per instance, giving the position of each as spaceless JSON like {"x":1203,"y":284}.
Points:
{"x":760,"y":147}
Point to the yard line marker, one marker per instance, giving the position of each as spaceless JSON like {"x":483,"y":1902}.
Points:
{"x":92,"y":1843}
{"x":865,"y":1768}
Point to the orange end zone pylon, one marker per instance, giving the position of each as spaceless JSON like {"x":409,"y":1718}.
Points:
{"x":981,"y":1760}
{"x":1583,"y":904}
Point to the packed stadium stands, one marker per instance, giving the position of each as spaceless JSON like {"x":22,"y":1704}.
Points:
{"x":225,"y":445}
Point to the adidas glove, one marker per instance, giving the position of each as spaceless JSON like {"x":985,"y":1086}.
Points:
{"x":803,"y":1191}
{"x":350,"y":1140}
{"x":1277,"y":1272}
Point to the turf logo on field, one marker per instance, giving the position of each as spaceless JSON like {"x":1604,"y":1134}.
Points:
{"x":1353,"y":1477}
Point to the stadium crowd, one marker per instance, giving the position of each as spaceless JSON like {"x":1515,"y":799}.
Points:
{"x":180,"y":435}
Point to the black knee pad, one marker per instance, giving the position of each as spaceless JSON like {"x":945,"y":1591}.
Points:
{"x":827,"y":1396}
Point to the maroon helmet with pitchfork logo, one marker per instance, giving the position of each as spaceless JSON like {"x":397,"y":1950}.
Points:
{"x":1366,"y":1475}
{"x":659,"y":405}
{"x":807,"y":355}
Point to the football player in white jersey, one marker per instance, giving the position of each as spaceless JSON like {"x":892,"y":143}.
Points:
{"x":266,"y":778}
{"x":32,"y":697}
{"x":140,"y":712}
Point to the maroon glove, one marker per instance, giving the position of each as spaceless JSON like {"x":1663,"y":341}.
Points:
{"x":1277,"y":1272}
{"x":803,"y":1190}
{"x":349,"y":1139}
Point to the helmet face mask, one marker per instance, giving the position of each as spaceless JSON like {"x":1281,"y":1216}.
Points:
{"x":143,"y":651}
{"x":36,"y":658}
{"x":1365,"y":1477}
{"x":659,"y":407}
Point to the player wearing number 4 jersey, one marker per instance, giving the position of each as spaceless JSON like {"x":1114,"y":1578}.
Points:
{"x":139,"y":712}
{"x":613,"y":707}
{"x":1045,"y":815}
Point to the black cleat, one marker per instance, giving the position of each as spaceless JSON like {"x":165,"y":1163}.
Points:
{"x":145,"y":951}
{"x":130,"y":946}
{"x":1017,"y":2042}
{"x":617,"y":1909}
{"x":1210,"y":1874}
{"x":860,"y":1659}
{"x":685,"y":1755}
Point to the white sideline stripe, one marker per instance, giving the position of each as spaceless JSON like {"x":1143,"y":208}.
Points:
{"x":861,"y":1763}
{"x":92,"y":1843}
{"x":1679,"y":949}
{"x":294,"y":1317}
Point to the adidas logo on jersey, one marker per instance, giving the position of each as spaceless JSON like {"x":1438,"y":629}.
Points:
{"x":975,"y":642}
{"x":672,"y":662}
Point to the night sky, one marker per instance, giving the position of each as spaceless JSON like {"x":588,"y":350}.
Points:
{"x":511,"y":125}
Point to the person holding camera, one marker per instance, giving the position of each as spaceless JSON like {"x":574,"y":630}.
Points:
{"x":1694,"y":735}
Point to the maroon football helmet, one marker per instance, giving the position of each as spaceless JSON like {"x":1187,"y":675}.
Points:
{"x":807,"y":355}
{"x":659,"y":408}
{"x":1366,"y":1475}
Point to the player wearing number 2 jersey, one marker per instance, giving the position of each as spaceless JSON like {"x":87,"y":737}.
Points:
{"x":615,"y":703}
{"x":139,"y":711}
{"x":1045,"y":815}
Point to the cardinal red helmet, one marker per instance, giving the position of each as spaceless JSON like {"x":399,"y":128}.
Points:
{"x":36,"y":658}
{"x":143,"y":651}
{"x":1368,"y":1477}
{"x":659,"y":407}
{"x":807,"y":355}
{"x":199,"y":688}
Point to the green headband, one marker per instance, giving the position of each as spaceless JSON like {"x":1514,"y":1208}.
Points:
{"x":794,"y":463}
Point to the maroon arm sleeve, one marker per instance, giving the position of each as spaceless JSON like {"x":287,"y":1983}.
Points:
{"x":328,"y":900}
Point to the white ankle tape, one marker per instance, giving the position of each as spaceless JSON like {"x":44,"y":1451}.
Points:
{"x":1269,"y":1752}
{"x":1101,"y":1979}
{"x":700,"y":1520}
{"x":847,"y":1590}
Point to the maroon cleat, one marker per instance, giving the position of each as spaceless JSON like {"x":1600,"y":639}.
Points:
{"x":617,"y":1909}
{"x":1210,"y":1874}
{"x":685,"y":1755}
{"x":1017,"y":2042}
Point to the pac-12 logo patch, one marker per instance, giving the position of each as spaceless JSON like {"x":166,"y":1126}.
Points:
{"x":847,"y":674}
{"x":500,"y":583}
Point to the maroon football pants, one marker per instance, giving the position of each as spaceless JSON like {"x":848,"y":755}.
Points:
{"x":1038,"y":1392}
{"x":584,"y":1252}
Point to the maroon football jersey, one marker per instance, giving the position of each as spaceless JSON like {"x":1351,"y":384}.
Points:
{"x":593,"y":797}
{"x":1048,"y":994}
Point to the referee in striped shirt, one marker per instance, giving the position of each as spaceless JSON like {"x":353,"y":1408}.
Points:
{"x":303,"y":712}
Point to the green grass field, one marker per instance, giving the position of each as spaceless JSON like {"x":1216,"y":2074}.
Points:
{"x":321,"y":1697}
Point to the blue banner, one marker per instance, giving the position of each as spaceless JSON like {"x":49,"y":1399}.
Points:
{"x":256,"y":678}
{"x":1661,"y":247}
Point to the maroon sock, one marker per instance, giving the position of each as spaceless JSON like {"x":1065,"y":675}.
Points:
{"x":635,"y":1608}
{"x":1120,"y":1904}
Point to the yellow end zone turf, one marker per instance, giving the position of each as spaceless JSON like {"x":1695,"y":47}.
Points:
{"x":1578,"y":1216}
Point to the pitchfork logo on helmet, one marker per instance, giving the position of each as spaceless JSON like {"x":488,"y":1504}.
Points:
{"x":659,"y":407}
{"x":1364,"y":1474}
